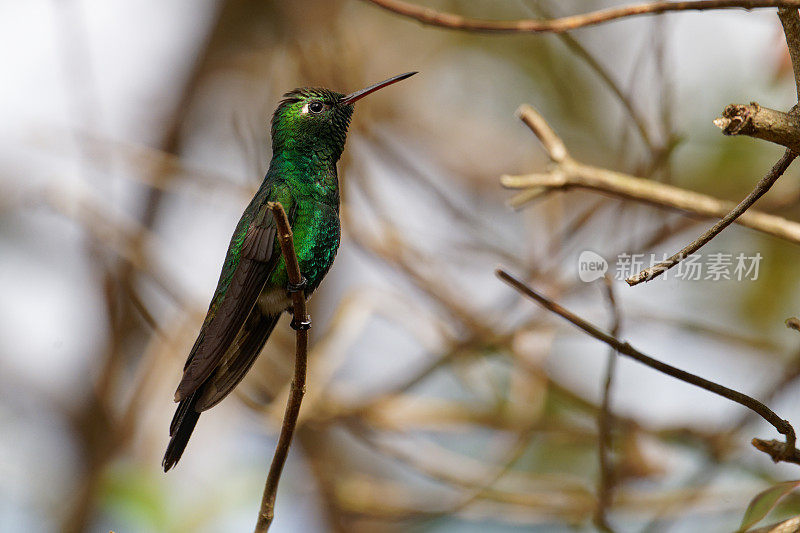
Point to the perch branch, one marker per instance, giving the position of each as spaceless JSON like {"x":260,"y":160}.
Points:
{"x":431,"y":17}
{"x":298,"y":388}
{"x":783,"y":426}
{"x":567,"y":173}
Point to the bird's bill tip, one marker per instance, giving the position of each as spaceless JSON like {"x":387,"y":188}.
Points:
{"x":358,"y":95}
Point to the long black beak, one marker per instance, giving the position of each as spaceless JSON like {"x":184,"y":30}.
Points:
{"x":358,"y":95}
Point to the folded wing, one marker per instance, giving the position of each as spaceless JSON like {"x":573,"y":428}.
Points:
{"x":257,"y":258}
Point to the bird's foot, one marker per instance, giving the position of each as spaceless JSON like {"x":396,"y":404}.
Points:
{"x":297,"y":287}
{"x":301,"y":325}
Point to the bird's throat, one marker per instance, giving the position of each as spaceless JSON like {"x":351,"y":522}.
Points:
{"x":306,"y":167}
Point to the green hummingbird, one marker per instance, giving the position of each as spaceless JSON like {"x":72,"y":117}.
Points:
{"x":309,"y":129}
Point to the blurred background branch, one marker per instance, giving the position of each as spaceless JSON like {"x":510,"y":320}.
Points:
{"x":457,"y":22}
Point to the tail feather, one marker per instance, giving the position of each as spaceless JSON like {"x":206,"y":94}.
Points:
{"x":180,"y":430}
{"x":230,"y":371}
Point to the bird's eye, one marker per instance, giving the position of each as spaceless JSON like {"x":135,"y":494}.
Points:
{"x":316,"y":107}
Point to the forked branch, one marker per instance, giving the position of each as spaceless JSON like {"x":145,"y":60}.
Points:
{"x":566,"y":173}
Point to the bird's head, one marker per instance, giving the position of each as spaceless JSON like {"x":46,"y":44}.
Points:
{"x":314,"y":121}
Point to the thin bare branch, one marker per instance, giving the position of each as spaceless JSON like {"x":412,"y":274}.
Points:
{"x":763,"y":185}
{"x":432,"y":17}
{"x":552,"y":143}
{"x":298,"y":388}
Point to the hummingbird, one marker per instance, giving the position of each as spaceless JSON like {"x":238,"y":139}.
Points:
{"x":309,"y":130}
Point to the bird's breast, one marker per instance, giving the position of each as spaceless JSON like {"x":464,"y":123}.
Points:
{"x":316,"y":238}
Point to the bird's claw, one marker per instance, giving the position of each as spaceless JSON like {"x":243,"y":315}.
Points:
{"x":305,"y":324}
{"x":301,"y":325}
{"x":297,"y":287}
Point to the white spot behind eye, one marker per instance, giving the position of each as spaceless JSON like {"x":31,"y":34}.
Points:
{"x":304,"y":110}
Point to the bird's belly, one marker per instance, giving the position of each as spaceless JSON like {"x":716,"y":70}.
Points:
{"x":273,"y":300}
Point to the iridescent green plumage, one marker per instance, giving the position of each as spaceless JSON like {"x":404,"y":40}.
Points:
{"x":309,"y":130}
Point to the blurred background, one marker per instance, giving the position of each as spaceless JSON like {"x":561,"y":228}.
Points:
{"x":133,"y":134}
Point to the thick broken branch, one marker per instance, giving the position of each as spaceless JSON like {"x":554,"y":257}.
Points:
{"x":762,"y":123}
{"x":778,"y":450}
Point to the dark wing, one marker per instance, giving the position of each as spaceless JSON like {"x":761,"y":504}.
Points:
{"x":239,"y":359}
{"x":257,"y":259}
